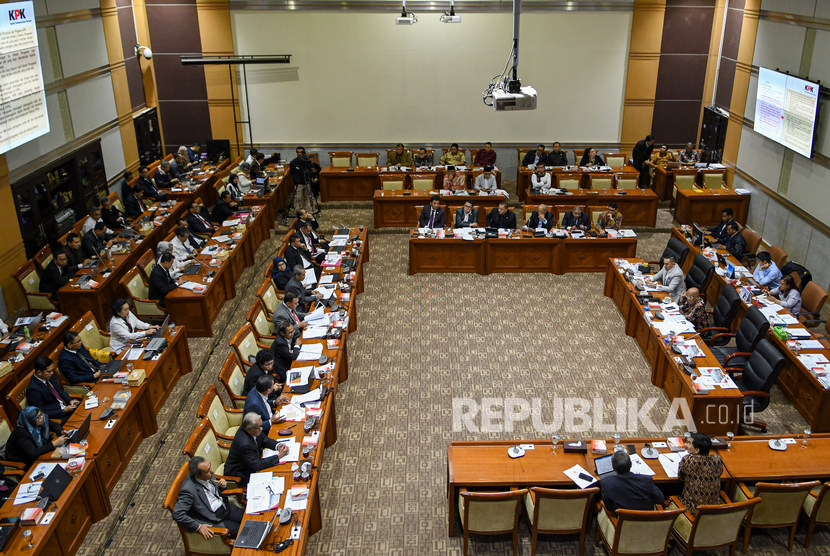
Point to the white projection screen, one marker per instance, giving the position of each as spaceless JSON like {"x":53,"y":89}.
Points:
{"x":22,"y":97}
{"x":785,"y":110}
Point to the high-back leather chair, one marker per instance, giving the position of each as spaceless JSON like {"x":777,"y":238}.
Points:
{"x":341,"y":159}
{"x":676,"y":249}
{"x":778,"y":256}
{"x":232,"y":377}
{"x":391,"y":183}
{"x":714,"y":525}
{"x":635,"y":531}
{"x":423,"y":182}
{"x":700,"y":274}
{"x":490,"y":513}
{"x":225,"y":421}
{"x":43,"y":257}
{"x":753,"y":329}
{"x":139,"y":292}
{"x":366,"y":159}
{"x":614,"y":159}
{"x":813,"y":298}
{"x":29,"y":281}
{"x":725,"y":311}
{"x":756,"y":379}
{"x":245,"y":346}
{"x":262,"y":325}
{"x":203,"y":442}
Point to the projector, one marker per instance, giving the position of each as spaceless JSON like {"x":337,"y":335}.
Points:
{"x":447,"y":18}
{"x":524,"y":100}
{"x":407,"y":20}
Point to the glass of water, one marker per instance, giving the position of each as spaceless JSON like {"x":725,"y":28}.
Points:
{"x":617,"y":437}
{"x":554,"y":441}
{"x":729,"y":436}
{"x":807,"y":433}
{"x":27,"y":536}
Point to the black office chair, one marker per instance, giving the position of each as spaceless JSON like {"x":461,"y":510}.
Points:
{"x":752,"y":329}
{"x":676,"y":249}
{"x":725,"y":311}
{"x":756,"y":379}
{"x":700,"y":275}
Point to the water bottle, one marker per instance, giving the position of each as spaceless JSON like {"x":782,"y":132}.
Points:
{"x":26,"y":332}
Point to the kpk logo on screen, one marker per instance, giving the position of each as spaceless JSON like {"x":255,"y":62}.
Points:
{"x":809,"y":88}
{"x":18,"y":15}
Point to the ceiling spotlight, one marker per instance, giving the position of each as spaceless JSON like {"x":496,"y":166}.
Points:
{"x":450,"y":17}
{"x":405,"y":18}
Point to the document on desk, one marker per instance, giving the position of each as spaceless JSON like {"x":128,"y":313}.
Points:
{"x":292,"y":413}
{"x":193,"y":286}
{"x":639,"y":466}
{"x":298,"y":503}
{"x":799,"y":333}
{"x":327,"y":292}
{"x":315,"y":332}
{"x":310,"y":352}
{"x":671,"y":462}
{"x":338,"y":241}
{"x":574,"y":474}
{"x":46,"y":467}
{"x":231,"y":222}
{"x":293,"y":454}
{"x":814,"y":360}
{"x":669,"y":327}
{"x":810,"y":344}
{"x":221,"y":239}
{"x":27,"y":493}
{"x":134,"y":354}
{"x":318,"y":314}
{"x":310,"y":277}
{"x":264,"y":495}
{"x":327,"y":279}
{"x":312,"y":396}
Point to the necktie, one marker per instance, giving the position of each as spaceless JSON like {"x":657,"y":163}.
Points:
{"x":188,"y":248}
{"x":295,"y":316}
{"x":88,"y":362}
{"x":55,"y":393}
{"x":431,"y":218}
{"x":205,"y":222}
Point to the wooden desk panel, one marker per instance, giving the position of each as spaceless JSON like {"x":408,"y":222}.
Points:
{"x":591,"y":255}
{"x":445,"y":255}
{"x":705,"y":206}
{"x":522,"y":255}
{"x":49,"y":340}
{"x":338,"y":184}
{"x":638,"y":206}
{"x":394,"y":209}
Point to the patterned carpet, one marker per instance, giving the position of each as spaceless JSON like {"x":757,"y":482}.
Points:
{"x":422,"y":342}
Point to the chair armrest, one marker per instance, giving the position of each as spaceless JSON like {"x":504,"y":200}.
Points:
{"x":744,"y":354}
{"x":725,"y":497}
{"x":225,"y":445}
{"x":262,"y":346}
{"x":714,"y":329}
{"x":12,"y":464}
{"x":266,"y":337}
{"x":742,"y":486}
{"x":803,"y":313}
{"x":759,"y":393}
{"x":725,"y":335}
{"x":734,"y":371}
{"x":221,"y":436}
{"x":233,"y":492}
{"x":14,"y":473}
{"x":229,"y":478}
{"x":676,"y":501}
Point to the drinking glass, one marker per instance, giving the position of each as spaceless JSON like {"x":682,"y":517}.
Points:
{"x":554,"y":440}
{"x":729,"y":436}
{"x":617,"y":437}
{"x":807,"y":433}
{"x":27,"y":536}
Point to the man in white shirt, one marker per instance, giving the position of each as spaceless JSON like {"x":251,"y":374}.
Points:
{"x":670,"y":277}
{"x":183,"y":251}
{"x":486,"y":183}
{"x":167,"y":247}
{"x":93,"y":218}
{"x":540,"y":179}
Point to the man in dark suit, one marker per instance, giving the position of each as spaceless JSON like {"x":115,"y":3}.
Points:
{"x":264,"y":365}
{"x":735,"y":242}
{"x":245,"y":454}
{"x":541,"y":218}
{"x":112,"y":217}
{"x":163,"y":178}
{"x":537,"y":158}
{"x":466,"y":216}
{"x":73,"y":250}
{"x":286,"y":348}
{"x":312,"y":242}
{"x":719,"y":231}
{"x":289,"y":311}
{"x":196,"y":223}
{"x":641,"y":157}
{"x":75,"y":361}
{"x":134,"y":203}
{"x":194,"y":241}
{"x":576,"y":219}
{"x":178,"y":167}
{"x":201,"y":504}
{"x":432,"y":215}
{"x":224,"y":208}
{"x":123,"y":185}
{"x":93,"y":244}
{"x":557,"y":156}
{"x":501,"y":218}
{"x":56,"y":274}
{"x":45,"y":392}
{"x":147,"y":186}
{"x":295,"y":286}
{"x":296,"y":252}
{"x":259,"y":401}
{"x":304,"y":216}
{"x":626,"y":490}
{"x":161,"y":283}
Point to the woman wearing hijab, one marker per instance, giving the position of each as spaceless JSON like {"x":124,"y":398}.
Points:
{"x":280,"y":273}
{"x":30,"y":439}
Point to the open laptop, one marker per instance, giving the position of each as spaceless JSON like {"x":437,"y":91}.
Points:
{"x":253,"y":533}
{"x":603,"y":466}
{"x":56,"y":482}
{"x":158,"y":333}
{"x":112,"y":367}
{"x":80,"y":433}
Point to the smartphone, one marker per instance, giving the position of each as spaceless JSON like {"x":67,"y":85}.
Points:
{"x":631,"y":449}
{"x":585,"y":477}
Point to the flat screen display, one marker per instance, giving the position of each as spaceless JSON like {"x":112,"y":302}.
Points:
{"x":785,"y":110}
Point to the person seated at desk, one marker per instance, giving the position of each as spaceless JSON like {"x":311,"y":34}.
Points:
{"x":671,"y":279}
{"x":304,"y":216}
{"x":689,"y":155}
{"x":196,"y":223}
{"x":694,"y":308}
{"x":44,"y":391}
{"x":295,"y":286}
{"x":700,"y":472}
{"x":735,"y":242}
{"x":501,"y":218}
{"x":112,"y":217}
{"x":535,"y":158}
{"x":280,"y":273}
{"x":432,"y":215}
{"x":312,"y":240}
{"x":122,"y":186}
{"x":134,"y":203}
{"x":234,"y":188}
{"x":30,"y":439}
{"x":145,"y":184}
{"x":466,"y":216}
{"x":454,"y":157}
{"x":719,"y":232}
{"x":540,"y":179}
{"x":201,"y":504}
{"x":455,"y":182}
{"x":93,"y":218}
{"x":74,"y":251}
{"x":611,"y":218}
{"x":75,"y":362}
{"x":178,"y":167}
{"x":423,"y":158}
{"x":163,"y":177}
{"x":94,"y":243}
{"x":183,"y":155}
{"x":289,"y":311}
{"x":486,"y":156}
{"x":540,"y":218}
{"x":161,"y":282}
{"x":56,"y":274}
{"x":767,"y":273}
{"x":263,"y":365}
{"x":662,"y":157}
{"x":257,"y":169}
{"x":591,"y":158}
{"x":194,"y":154}
{"x":286,"y":348}
{"x":194,"y":241}
{"x":626,"y":490}
{"x":787,"y":295}
{"x":252,"y":153}
{"x":125,"y":326}
{"x":181,"y":247}
{"x":486,"y":183}
{"x":224,"y":208}
{"x":178,"y":266}
{"x":296,"y":254}
{"x":245,"y":454}
{"x":557,"y":157}
{"x":576,"y":219}
{"x":399,"y":157}
{"x":258,"y":400}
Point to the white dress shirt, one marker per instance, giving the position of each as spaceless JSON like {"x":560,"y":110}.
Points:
{"x":89,"y":224}
{"x":537,"y":183}
{"x":120,"y":334}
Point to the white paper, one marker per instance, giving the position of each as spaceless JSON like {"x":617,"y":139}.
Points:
{"x":310,"y":352}
{"x":799,"y":332}
{"x":671,"y":462}
{"x":293,"y":454}
{"x":231,"y":222}
{"x":311,"y":396}
{"x":27,"y":493}
{"x":191,"y":285}
{"x":134,"y":354}
{"x":315,"y":332}
{"x":573,"y":474}
{"x":639,"y":466}
{"x":46,"y":467}
{"x":317,"y":314}
{"x":810,"y":344}
{"x":813,"y":359}
{"x":260,"y":498}
{"x":327,"y":279}
{"x":296,"y":505}
{"x":310,"y":276}
{"x":292,"y":413}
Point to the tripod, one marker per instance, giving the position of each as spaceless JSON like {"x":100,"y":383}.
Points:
{"x":302,"y":197}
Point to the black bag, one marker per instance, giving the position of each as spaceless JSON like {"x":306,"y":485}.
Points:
{"x":803,"y":274}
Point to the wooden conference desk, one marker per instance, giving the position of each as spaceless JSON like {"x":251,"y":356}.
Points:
{"x":524,"y":174}
{"x":714,"y":413}
{"x":394,"y":208}
{"x":638,"y":206}
{"x":520,"y":253}
{"x":665,"y":178}
{"x":704,"y":206}
{"x":48,"y":338}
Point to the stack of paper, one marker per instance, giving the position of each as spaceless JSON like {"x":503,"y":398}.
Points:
{"x":671,"y":462}
{"x":293,"y":454}
{"x":27,"y":493}
{"x":315,"y":332}
{"x":264,"y":492}
{"x":310,"y":352}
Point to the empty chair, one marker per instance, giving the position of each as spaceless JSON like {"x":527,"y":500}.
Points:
{"x":143,"y":307}
{"x":558,"y":512}
{"x":341,"y":159}
{"x":203,"y":442}
{"x":757,"y":376}
{"x":627,"y":181}
{"x":263,"y":326}
{"x":780,"y":505}
{"x":812,"y":300}
{"x":635,"y":531}
{"x":778,"y":256}
{"x":684,"y":180}
{"x":366,"y":159}
{"x":245,"y":345}
{"x":677,"y":249}
{"x":614,"y":159}
{"x":714,"y":526}
{"x":700,"y":274}
{"x":602,"y":181}
{"x":816,"y":506}
{"x":29,"y":281}
{"x":825,"y":340}
{"x":391,"y":183}
{"x":725,"y":311}
{"x":423,"y":182}
{"x":225,"y":421}
{"x":567,"y":181}
{"x":232,"y":377}
{"x":490,"y":513}
{"x":713,"y":180}
{"x":752,"y":329}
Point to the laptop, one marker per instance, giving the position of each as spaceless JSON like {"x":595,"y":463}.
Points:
{"x":162,"y":328}
{"x":192,"y":268}
{"x":80,"y":433}
{"x":730,"y":271}
{"x":57,"y":481}
{"x":261,"y":182}
{"x":603,"y":466}
{"x":112,"y":367}
{"x":253,"y":532}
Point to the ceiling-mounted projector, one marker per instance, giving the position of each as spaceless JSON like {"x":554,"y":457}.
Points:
{"x":524,"y":100}
{"x":405,"y":20}
{"x":450,"y":18}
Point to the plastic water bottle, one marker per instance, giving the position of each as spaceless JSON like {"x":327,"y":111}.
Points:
{"x":26,"y":332}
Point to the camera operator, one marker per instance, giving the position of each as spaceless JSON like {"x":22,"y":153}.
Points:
{"x":305,"y":172}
